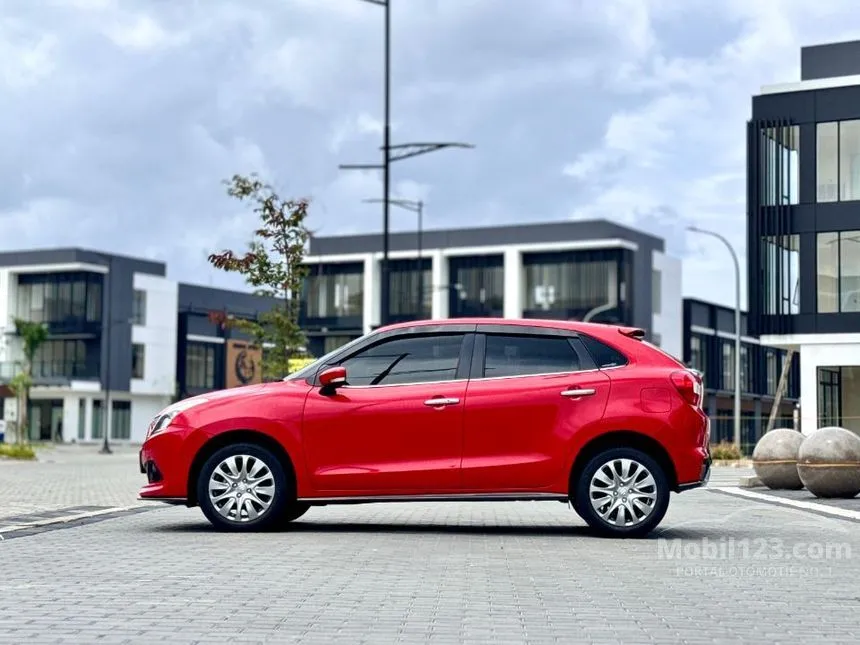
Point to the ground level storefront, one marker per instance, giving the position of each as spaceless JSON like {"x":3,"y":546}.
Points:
{"x":58,"y":415}
{"x":829,"y":378}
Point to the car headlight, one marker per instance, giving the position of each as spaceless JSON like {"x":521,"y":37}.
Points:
{"x":164,"y":418}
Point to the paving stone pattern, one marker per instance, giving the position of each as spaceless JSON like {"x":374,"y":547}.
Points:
{"x":69,"y":476}
{"x":435,"y":573}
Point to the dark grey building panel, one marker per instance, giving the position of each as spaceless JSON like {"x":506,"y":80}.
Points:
{"x":485,"y":236}
{"x":116,"y":315}
{"x":197,"y":298}
{"x":830,"y":60}
{"x":72,"y":255}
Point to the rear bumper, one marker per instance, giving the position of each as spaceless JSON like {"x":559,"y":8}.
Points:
{"x":704,"y":477}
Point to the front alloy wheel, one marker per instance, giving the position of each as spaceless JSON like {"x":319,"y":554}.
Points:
{"x":242,"y":487}
{"x":623,"y":493}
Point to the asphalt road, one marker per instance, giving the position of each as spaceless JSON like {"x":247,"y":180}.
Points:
{"x":721,"y":569}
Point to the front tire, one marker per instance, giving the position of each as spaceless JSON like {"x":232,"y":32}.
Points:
{"x":243,"y":487}
{"x":622,"y":492}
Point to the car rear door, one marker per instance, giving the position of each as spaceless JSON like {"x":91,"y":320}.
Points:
{"x":397,"y":426}
{"x":531,"y":390}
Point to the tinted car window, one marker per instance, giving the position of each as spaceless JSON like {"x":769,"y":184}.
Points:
{"x":603,"y":354}
{"x":406,"y":360}
{"x":523,"y":355}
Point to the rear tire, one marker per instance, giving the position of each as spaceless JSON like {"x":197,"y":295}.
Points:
{"x":243,"y":487}
{"x":622,"y":492}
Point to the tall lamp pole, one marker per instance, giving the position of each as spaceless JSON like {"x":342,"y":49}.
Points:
{"x":737,"y":413}
{"x":391,"y":153}
{"x":416,"y":207}
{"x":105,"y":450}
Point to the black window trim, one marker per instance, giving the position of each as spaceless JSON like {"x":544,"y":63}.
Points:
{"x":477,"y":372}
{"x":419,"y":331}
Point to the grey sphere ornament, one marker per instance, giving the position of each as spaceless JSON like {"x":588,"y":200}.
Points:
{"x":829,"y":463}
{"x":775,"y":459}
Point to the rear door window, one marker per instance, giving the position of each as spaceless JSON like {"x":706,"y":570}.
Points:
{"x":511,"y":355}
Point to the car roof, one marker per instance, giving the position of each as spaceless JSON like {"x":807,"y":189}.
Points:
{"x":596,"y":329}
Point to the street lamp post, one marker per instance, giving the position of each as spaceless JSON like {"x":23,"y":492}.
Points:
{"x":737,"y":406}
{"x":105,"y":450}
{"x":391,"y":153}
{"x":416,"y":207}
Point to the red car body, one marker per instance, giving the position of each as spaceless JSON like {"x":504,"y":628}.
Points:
{"x":468,"y":436}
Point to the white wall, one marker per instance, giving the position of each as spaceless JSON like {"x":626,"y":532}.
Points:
{"x":824,"y":350}
{"x":158,"y":335}
{"x":143,"y":409}
{"x":8,"y":299}
{"x":669,"y":322}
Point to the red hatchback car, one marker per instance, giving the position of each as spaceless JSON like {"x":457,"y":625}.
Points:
{"x":453,"y":410}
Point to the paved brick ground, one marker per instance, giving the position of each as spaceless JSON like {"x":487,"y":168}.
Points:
{"x":69,"y":476}
{"x":446,"y":573}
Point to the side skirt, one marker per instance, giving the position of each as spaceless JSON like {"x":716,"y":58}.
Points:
{"x":444,"y":497}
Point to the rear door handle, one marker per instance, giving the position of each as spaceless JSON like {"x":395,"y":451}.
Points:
{"x":576,"y":392}
{"x":441,"y":402}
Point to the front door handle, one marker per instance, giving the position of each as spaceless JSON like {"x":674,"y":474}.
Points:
{"x":441,"y":402}
{"x":586,"y":391}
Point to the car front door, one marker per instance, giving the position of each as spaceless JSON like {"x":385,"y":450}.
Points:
{"x":529,"y":394}
{"x":396,"y":427}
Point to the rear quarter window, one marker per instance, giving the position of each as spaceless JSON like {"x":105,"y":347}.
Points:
{"x":603,"y":355}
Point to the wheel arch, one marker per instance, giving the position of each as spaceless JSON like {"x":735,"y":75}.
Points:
{"x":230,"y":437}
{"x":623,"y":439}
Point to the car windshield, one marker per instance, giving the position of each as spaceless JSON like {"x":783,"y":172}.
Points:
{"x":311,"y":368}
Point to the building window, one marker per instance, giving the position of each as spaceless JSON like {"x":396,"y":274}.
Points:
{"x":334,"y":291}
{"x":656,"y":295}
{"x":838,"y":161}
{"x":137,"y":360}
{"x":697,"y":354}
{"x":64,"y":301}
{"x":838,"y":272}
{"x":66,"y":359}
{"x":82,"y":418}
{"x":574,"y":284}
{"x":477,"y":286}
{"x":406,"y":284}
{"x":829,"y":397}
{"x":781,"y":268}
{"x":780,"y":171}
{"x":771,"y":375}
{"x":138,"y":308}
{"x":200,"y":366}
{"x":120,"y":420}
{"x":827,"y":162}
{"x":98,"y":419}
{"x":745,"y":368}
{"x":728,"y":371}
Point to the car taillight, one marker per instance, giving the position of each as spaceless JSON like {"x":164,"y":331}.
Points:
{"x":689,"y":386}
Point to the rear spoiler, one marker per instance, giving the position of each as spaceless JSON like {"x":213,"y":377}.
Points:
{"x":632,"y":332}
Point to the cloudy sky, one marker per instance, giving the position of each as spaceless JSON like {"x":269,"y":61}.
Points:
{"x":120,"y":118}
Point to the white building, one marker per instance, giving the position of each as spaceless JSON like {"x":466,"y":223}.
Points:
{"x":804,"y":229}
{"x":111,"y":320}
{"x":560,"y":270}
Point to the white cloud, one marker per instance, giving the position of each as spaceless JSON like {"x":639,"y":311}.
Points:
{"x":120,"y":120}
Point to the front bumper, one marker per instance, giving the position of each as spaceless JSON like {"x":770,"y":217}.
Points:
{"x":165,"y":459}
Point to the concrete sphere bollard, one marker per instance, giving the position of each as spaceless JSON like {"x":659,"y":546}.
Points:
{"x":829,"y":463}
{"x":775,"y":459}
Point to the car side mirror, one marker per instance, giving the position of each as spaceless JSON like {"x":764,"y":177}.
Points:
{"x":333,"y":378}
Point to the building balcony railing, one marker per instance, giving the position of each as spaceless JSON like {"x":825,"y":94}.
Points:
{"x":70,"y":325}
{"x":50,"y":372}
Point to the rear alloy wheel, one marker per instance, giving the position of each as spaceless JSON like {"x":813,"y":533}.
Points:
{"x":622,"y":492}
{"x":243,"y":487}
